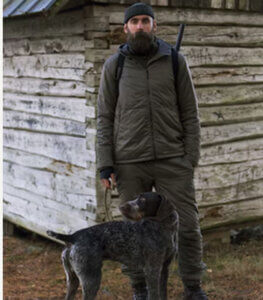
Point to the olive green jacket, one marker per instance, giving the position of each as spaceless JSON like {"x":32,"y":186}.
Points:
{"x":149,"y":120}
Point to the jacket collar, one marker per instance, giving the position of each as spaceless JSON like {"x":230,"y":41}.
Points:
{"x":164,"y":49}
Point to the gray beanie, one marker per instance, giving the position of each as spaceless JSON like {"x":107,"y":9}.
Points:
{"x":136,"y":9}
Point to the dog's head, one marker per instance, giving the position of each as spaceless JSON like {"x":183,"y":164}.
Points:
{"x":149,"y":204}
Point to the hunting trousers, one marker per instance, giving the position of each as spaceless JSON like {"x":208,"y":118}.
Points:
{"x":172,"y":177}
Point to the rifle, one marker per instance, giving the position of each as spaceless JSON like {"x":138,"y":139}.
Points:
{"x":180,"y":37}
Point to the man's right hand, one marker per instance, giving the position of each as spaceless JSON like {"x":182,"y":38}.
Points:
{"x":105,"y":175}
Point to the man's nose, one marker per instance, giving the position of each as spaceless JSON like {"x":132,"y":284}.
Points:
{"x":139,"y":26}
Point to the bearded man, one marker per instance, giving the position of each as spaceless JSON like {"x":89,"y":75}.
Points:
{"x":149,"y":136}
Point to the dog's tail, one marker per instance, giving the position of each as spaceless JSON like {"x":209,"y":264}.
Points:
{"x":68,"y":238}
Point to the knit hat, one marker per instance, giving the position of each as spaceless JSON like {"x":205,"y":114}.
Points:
{"x":136,"y":9}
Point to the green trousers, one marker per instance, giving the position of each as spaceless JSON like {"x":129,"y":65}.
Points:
{"x":172,"y":177}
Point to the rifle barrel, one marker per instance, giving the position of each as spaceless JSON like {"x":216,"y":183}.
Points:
{"x":180,"y":37}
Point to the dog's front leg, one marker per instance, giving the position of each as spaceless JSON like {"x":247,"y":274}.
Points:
{"x":152,"y":272}
{"x":164,"y":278}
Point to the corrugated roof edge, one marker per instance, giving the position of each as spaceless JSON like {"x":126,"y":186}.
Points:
{"x":46,"y":7}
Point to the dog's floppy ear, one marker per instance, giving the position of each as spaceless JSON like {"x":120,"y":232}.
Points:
{"x":164,"y":209}
{"x":162,"y":198}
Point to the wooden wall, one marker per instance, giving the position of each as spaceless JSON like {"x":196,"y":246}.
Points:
{"x":52,"y":69}
{"x":224,"y":49}
{"x":49,"y":154}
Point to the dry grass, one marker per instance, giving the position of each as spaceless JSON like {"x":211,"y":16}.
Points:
{"x":32,"y":270}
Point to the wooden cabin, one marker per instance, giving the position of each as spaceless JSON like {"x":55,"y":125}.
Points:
{"x":53,"y":55}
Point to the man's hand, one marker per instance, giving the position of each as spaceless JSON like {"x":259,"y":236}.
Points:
{"x":107,"y":176}
{"x":106,"y":182}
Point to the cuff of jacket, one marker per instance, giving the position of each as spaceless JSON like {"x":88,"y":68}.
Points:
{"x":104,"y":157}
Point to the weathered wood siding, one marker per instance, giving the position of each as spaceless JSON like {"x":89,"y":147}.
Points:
{"x":224,"y":48}
{"x":52,"y":69}
{"x":49,"y":154}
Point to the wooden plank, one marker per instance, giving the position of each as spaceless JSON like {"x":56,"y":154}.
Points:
{"x":36,"y":181}
{"x":228,"y":153}
{"x":57,"y":147}
{"x":12,"y":197}
{"x":227,"y":133}
{"x":99,"y":55}
{"x":45,"y":87}
{"x":231,"y":214}
{"x":222,"y":56}
{"x":97,"y":23}
{"x":78,"y":206}
{"x":203,"y":35}
{"x":66,"y":108}
{"x":44,"y":217}
{"x":75,"y":185}
{"x":231,"y":114}
{"x":214,"y":35}
{"x":31,"y":66}
{"x":226,"y":195}
{"x":13,"y":47}
{"x":34,"y":122}
{"x":175,"y":16}
{"x":220,"y":95}
{"x":61,"y":187}
{"x":34,"y":27}
{"x":26,"y":159}
{"x":91,"y":139}
{"x":207,"y":56}
{"x":37,"y":161}
{"x":41,"y":229}
{"x":224,"y":175}
{"x":64,"y":60}
{"x":227,"y":76}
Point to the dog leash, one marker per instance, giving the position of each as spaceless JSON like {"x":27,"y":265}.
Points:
{"x":107,"y":204}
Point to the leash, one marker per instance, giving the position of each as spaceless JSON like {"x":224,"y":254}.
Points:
{"x":107,"y":203}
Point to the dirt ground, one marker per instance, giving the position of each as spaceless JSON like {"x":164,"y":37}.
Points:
{"x":33,"y":270}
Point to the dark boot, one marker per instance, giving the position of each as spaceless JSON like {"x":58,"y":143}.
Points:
{"x":194,"y":293}
{"x":139,"y":292}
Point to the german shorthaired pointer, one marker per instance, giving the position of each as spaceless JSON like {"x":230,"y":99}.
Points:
{"x":149,"y":244}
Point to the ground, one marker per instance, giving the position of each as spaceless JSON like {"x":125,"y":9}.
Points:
{"x":33,"y":270}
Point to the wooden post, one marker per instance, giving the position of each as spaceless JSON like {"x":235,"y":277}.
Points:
{"x":8,"y":228}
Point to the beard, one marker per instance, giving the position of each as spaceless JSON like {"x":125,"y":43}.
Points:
{"x":141,"y":43}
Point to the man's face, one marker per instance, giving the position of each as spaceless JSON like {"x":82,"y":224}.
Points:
{"x":140,"y":23}
{"x":140,"y":34}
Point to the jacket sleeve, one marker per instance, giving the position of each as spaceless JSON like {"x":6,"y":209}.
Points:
{"x":188,"y":108}
{"x":105,"y":115}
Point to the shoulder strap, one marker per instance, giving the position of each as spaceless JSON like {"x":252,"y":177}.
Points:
{"x":175,"y":66}
{"x":118,"y":72}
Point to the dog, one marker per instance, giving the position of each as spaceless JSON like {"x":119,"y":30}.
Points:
{"x":146,"y":241}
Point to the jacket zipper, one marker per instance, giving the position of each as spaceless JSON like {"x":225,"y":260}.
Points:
{"x":151,"y":118}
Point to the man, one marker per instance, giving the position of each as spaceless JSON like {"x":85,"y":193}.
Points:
{"x":149,"y":136}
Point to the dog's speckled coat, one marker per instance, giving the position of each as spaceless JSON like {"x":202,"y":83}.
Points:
{"x":149,"y":244}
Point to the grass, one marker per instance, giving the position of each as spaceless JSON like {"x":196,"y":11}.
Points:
{"x":33,"y":270}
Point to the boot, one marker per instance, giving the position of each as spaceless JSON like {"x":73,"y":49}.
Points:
{"x":194,"y":293}
{"x":139,"y":292}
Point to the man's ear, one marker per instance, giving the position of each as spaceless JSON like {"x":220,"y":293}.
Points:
{"x":154,"y":26}
{"x":125,"y":28}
